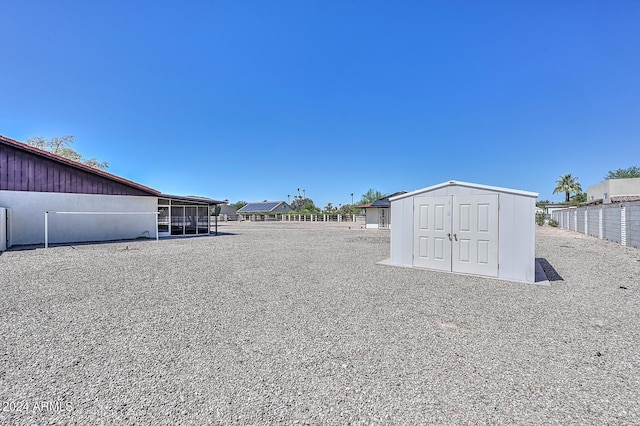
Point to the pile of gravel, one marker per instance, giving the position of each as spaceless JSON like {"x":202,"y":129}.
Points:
{"x":296,"y":323}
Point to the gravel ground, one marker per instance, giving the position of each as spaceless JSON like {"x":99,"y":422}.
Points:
{"x":296,"y":323}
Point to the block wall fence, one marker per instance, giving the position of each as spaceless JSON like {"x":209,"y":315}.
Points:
{"x":619,"y":222}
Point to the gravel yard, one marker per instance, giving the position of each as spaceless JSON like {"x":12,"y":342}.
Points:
{"x":296,"y":323}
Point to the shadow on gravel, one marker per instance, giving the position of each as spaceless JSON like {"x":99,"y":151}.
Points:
{"x":90,"y":243}
{"x":213,"y":234}
{"x":552,"y":274}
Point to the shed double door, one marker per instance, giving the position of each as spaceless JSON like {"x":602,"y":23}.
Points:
{"x":457,"y":233}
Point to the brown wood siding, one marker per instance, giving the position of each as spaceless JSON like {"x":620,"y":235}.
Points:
{"x":24,"y":171}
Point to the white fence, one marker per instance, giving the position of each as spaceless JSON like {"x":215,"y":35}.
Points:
{"x":302,"y":217}
{"x":619,"y":222}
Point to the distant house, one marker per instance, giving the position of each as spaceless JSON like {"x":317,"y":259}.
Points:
{"x":551,"y":207}
{"x":378,"y":213}
{"x":614,"y":191}
{"x":44,"y":196}
{"x":263,"y":210}
{"x":228,"y":212}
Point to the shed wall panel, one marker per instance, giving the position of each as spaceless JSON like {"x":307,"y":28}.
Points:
{"x":402,"y":232}
{"x":517,"y":238}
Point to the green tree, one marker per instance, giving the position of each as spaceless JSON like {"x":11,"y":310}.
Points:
{"x":542,"y":203}
{"x":329,"y":208}
{"x":567,"y":184}
{"x":304,"y":205}
{"x":62,"y":146}
{"x":348,"y":209}
{"x":239,"y":204}
{"x":628,"y":173}
{"x":579,"y":198}
{"x":370,"y":196}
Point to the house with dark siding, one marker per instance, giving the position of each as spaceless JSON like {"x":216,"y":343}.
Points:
{"x":80,"y":203}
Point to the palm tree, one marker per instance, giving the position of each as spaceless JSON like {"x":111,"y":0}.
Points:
{"x":568,"y":184}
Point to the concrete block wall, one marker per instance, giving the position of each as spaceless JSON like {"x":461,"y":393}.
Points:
{"x":580,"y":222}
{"x":572,"y":220}
{"x":633,"y":224}
{"x":622,"y":230}
{"x":593,"y":221}
{"x":611,"y":222}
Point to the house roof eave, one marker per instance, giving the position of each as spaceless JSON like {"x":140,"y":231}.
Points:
{"x":54,"y":157}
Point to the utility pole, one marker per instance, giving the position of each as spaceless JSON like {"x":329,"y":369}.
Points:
{"x":352,"y":198}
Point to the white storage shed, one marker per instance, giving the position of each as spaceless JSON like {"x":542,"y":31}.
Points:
{"x":466,"y":228}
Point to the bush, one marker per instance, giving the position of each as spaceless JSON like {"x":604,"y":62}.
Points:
{"x":540,"y":216}
{"x":553,"y":223}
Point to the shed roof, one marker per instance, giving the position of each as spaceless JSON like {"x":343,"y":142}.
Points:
{"x":263,"y":206}
{"x":467,"y":185}
{"x":74,"y":164}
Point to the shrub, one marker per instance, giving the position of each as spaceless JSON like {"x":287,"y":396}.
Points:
{"x":553,"y":223}
{"x":540,"y":216}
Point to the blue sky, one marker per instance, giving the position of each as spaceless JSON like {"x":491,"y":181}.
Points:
{"x":250,"y":100}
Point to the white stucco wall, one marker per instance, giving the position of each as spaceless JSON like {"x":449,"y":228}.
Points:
{"x":3,"y":230}
{"x":613,"y":188}
{"x":371,"y":219}
{"x":27,"y":217}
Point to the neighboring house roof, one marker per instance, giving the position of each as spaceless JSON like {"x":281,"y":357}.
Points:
{"x":625,"y":198}
{"x":384,"y":201}
{"x":556,"y":206}
{"x":381,"y":202}
{"x":265,"y":207}
{"x":192,"y":199}
{"x":75,"y":165}
{"x":227,"y":209}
